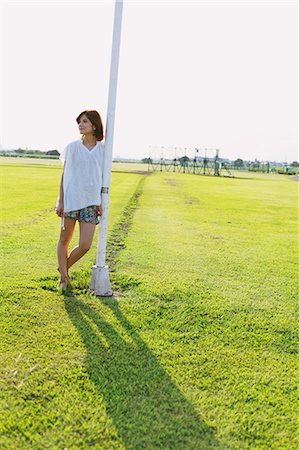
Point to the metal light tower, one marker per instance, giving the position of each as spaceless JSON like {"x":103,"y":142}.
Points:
{"x":100,"y":283}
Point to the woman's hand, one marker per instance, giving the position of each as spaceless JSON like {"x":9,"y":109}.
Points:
{"x":59,"y":209}
{"x":99,"y":210}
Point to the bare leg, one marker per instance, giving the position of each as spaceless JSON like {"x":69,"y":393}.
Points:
{"x":63,"y":245}
{"x":85,"y":241}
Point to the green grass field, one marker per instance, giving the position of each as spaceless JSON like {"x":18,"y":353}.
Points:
{"x":198,"y":347}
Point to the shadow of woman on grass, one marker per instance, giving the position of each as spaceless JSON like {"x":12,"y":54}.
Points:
{"x":146,"y":407}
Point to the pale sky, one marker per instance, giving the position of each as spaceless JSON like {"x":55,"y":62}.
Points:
{"x":191,"y":74}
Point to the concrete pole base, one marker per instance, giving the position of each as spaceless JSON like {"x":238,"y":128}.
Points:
{"x":100,"y":283}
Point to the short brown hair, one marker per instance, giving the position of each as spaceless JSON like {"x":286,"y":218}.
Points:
{"x":96,"y":120}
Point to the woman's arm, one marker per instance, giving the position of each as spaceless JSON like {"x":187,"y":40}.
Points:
{"x":99,"y":210}
{"x":60,"y":205}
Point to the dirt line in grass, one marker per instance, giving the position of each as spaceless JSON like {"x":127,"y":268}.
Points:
{"x":116,"y":241}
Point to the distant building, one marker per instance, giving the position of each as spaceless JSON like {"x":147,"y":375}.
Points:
{"x":53,"y":153}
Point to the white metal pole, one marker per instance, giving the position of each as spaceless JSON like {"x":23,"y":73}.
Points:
{"x":100,"y":283}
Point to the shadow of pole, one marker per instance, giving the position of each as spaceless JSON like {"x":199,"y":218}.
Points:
{"x":147,"y":409}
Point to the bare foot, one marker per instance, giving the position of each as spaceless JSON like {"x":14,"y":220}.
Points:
{"x":63,"y":283}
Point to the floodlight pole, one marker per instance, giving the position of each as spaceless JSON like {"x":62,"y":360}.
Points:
{"x":100,"y":283}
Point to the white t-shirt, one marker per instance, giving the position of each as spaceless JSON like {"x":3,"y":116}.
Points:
{"x":82,"y":178}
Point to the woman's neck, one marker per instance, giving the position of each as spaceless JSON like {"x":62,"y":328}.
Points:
{"x":89,"y":141}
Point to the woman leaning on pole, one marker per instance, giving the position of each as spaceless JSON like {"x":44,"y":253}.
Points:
{"x":80,"y":191}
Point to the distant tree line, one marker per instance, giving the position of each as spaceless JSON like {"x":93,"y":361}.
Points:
{"x":30,"y":153}
{"x":34,"y":152}
{"x":239,"y":163}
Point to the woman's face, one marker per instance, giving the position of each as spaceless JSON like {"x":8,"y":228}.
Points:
{"x":85,"y":125}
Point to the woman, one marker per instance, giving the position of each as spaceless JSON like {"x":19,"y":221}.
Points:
{"x":80,"y":191}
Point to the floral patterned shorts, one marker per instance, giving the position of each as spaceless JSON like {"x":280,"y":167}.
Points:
{"x":88,"y":215}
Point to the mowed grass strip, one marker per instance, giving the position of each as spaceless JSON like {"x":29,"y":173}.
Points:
{"x":210,"y":267}
{"x":196,"y":352}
